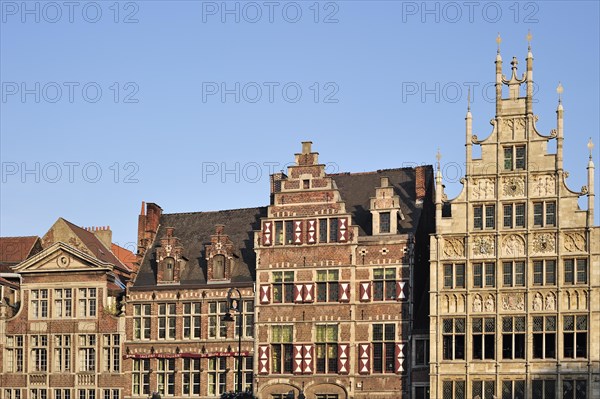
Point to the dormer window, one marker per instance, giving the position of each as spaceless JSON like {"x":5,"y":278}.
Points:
{"x":218,"y":267}
{"x":384,"y":222}
{"x":169,"y":267}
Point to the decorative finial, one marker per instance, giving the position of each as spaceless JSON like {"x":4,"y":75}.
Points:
{"x":438,"y":156}
{"x":529,"y":37}
{"x":469,"y":100}
{"x":559,"y":90}
{"x":498,"y":40}
{"x":590,"y":146}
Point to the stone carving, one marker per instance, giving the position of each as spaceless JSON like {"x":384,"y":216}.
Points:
{"x":513,"y":245}
{"x":489,"y":303}
{"x":477,"y":303}
{"x":544,"y":242}
{"x":550,"y":302}
{"x":513,"y":186}
{"x":454,"y":247}
{"x":483,"y":189}
{"x":514,"y":301}
{"x":483,"y":245}
{"x":574,"y":242}
{"x":537,"y":302}
{"x":513,"y":125}
{"x":544,"y":185}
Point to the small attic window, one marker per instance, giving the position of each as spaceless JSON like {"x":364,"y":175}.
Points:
{"x":306,"y":184}
{"x":219,"y":267}
{"x":169,"y":266}
{"x":384,"y":222}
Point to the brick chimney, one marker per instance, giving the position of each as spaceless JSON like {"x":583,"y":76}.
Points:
{"x":148,"y":222}
{"x":104,"y":234}
{"x":420,"y":182}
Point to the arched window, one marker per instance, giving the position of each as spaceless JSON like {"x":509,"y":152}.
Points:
{"x":169,"y":266}
{"x":218,"y":267}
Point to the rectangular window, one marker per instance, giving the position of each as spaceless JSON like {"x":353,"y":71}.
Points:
{"x":508,"y":158}
{"x":165,"y":377}
{"x":543,"y":389}
{"x":86,"y":393}
{"x":282,"y":349}
{"x":14,"y":353}
{"x":327,"y":348}
{"x":384,"y":222}
{"x":39,"y":304}
{"x":453,"y":336}
{"x":87,"y":352}
{"x":484,"y":275}
{"x":245,"y":321}
{"x":39,"y":353}
{"x":513,"y":389}
{"x":62,"y":353}
{"x":422,"y":392}
{"x":484,"y":389}
{"x":514,"y":157}
{"x":575,"y":271}
{"x":514,"y":216}
{"x":384,"y":284}
{"x":575,"y":336}
{"x":289,"y":232}
{"x":111,"y":349}
{"x":574,"y":389}
{"x":112,"y":394}
{"x":247,"y":374}
{"x":191,"y":377}
{"x":322,"y":230}
{"x":62,"y":394}
{"x":166,"y":320}
{"x":327,"y":285}
{"x":38,"y":393}
{"x":333,"y":229}
{"x":421,"y":352}
{"x":217,"y":375}
{"x":283,"y":287}
{"x":191,"y":320}
{"x":544,"y":337}
{"x":63,"y":303}
{"x":86,"y":302}
{"x":544,"y":272}
{"x":544,"y":214}
{"x":454,"y":275}
{"x":484,"y":217}
{"x":141,"y":377}
{"x":12,"y":393}
{"x":484,"y":338}
{"x":141,"y":321}
{"x":513,"y":274}
{"x":279,"y":233}
{"x":513,"y":337}
{"x":384,"y":337}
{"x":216,"y":326}
{"x":453,"y":390}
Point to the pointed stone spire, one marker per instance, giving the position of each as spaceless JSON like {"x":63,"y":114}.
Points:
{"x":529,"y":101}
{"x":559,"y":130}
{"x":439,"y":188}
{"x":590,"y":186}
{"x":468,"y":133}
{"x":498,"y":77}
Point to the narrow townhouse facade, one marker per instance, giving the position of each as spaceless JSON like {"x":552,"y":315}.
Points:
{"x":195,"y":269}
{"x":515,"y":264}
{"x":63,"y":335}
{"x":341,"y":266}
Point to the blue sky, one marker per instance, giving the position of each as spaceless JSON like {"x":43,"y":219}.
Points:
{"x":191,"y":104}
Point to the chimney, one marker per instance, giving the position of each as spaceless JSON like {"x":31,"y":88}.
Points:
{"x":420,"y":184}
{"x":104,"y":234}
{"x":148,"y":222}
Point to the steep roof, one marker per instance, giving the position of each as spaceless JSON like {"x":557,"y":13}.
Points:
{"x":14,"y":250}
{"x":357,"y":189}
{"x":127,"y":257}
{"x":194,"y":231}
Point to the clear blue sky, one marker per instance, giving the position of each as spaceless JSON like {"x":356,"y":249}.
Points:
{"x":162,"y":123}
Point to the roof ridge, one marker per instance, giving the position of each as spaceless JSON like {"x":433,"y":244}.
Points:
{"x":374,"y":171}
{"x":216,"y":211}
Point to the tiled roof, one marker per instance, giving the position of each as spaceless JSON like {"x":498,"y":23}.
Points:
{"x":14,"y":250}
{"x":194,"y":231}
{"x":127,"y":257}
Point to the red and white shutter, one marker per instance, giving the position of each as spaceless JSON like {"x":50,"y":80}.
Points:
{"x":267,"y":233}
{"x":298,"y":293}
{"x":343,"y":358}
{"x":297,"y":231}
{"x":401,"y":290}
{"x":298,"y":361}
{"x":364,"y":358}
{"x":343,"y":229}
{"x":263,"y":359}
{"x":265,"y":293}
{"x":311,"y":231}
{"x":344,"y":292}
{"x":400,"y":357}
{"x":307,"y":355}
{"x":365,"y":291}
{"x":308,"y":293}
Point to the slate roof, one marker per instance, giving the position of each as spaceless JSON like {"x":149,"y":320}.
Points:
{"x":357,"y":189}
{"x":194,"y":231}
{"x":14,"y":250}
